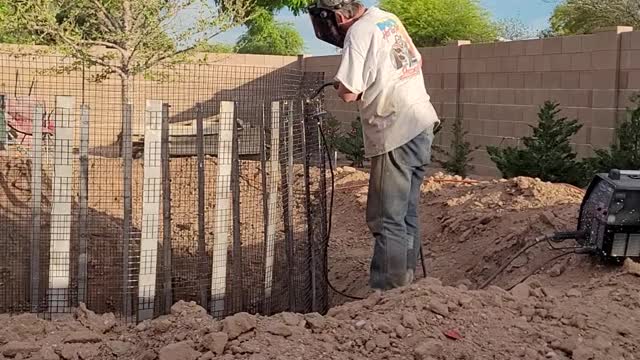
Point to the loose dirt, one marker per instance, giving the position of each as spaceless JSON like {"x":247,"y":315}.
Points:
{"x":575,"y":308}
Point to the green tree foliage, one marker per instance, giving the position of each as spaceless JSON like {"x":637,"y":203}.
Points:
{"x":265,"y":35}
{"x":351,"y":144}
{"x":216,"y":48}
{"x":547,"y":154}
{"x":458,"y":159}
{"x":436,"y":22}
{"x":624,"y":153}
{"x":585,"y":16}
{"x":139,"y":33}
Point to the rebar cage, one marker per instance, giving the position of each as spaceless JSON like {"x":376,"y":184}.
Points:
{"x":197,"y":182}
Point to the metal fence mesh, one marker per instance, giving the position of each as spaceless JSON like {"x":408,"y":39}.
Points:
{"x":196,"y":182}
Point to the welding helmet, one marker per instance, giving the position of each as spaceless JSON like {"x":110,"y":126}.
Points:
{"x":325,"y":23}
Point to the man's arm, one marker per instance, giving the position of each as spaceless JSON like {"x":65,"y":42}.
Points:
{"x":345,"y":94}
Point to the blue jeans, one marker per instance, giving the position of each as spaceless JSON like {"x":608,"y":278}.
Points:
{"x":392,"y":211}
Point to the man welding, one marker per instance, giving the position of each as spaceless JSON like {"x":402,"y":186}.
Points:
{"x":381,"y":70}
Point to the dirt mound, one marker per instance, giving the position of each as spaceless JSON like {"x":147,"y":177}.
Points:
{"x":469,"y":228}
{"x":424,"y":321}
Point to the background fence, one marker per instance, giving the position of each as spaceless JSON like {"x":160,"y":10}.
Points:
{"x":209,"y":185}
{"x":498,"y":88}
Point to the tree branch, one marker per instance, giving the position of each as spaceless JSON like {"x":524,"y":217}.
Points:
{"x":106,"y":17}
{"x":105,"y":44}
{"x":153,"y":61}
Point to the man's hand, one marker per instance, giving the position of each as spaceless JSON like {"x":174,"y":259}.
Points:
{"x":345,"y":94}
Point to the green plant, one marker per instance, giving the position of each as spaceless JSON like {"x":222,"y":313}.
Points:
{"x":436,"y":22}
{"x":585,"y":16}
{"x":624,"y":153}
{"x":265,"y":35}
{"x":547,"y":154}
{"x":457,"y":160}
{"x":351,"y":144}
{"x":332,"y":129}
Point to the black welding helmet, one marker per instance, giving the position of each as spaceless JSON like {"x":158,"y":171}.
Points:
{"x":325,"y":24}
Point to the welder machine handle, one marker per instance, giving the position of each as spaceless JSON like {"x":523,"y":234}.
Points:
{"x":615,"y":174}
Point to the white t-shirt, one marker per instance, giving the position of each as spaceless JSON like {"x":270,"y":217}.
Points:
{"x":380,"y":61}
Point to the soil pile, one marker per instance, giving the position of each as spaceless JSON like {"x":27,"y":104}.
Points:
{"x":469,"y":229}
{"x":425,"y":321}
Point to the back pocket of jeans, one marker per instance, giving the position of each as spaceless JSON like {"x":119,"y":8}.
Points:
{"x":416,"y":152}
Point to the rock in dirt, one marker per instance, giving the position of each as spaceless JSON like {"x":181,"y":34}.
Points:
{"x":291,"y":319}
{"x":631,"y":267}
{"x":557,"y":269}
{"x":98,"y":323}
{"x":88,"y":352}
{"x":207,"y":356}
{"x":216,"y":342}
{"x":382,"y":341}
{"x":315,"y":320}
{"x":179,"y":351}
{"x":13,"y":348}
{"x":428,"y":349}
{"x":410,"y":320}
{"x":279,"y":330}
{"x":574,"y":293}
{"x":183,"y":308}
{"x":83,"y":337}
{"x":149,"y":355}
{"x":69,"y":352}
{"x":370,"y":346}
{"x":521,"y":291}
{"x":401,"y":331}
{"x":439,"y":308}
{"x":47,"y":353}
{"x":238,"y":324}
{"x":119,"y":348}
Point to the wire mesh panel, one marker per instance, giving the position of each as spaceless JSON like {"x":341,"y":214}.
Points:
{"x":197,"y":182}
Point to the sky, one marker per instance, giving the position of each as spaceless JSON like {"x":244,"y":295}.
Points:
{"x":534,"y":13}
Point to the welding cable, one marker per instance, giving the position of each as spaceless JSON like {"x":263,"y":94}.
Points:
{"x":557,"y":237}
{"x":333,"y":188}
{"x":330,"y":225}
{"x":575,"y":251}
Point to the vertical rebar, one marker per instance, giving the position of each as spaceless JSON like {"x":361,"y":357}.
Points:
{"x":84,"y":203}
{"x":235,"y":189}
{"x":307,"y":192}
{"x":288,"y":214}
{"x":265,"y":207}
{"x":127,"y":206}
{"x":166,"y":211}
{"x":36,"y":199}
{"x":202,"y":255}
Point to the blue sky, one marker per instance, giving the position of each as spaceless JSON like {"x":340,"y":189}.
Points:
{"x":534,"y":13}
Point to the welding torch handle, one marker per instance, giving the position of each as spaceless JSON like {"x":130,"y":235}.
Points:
{"x":325,"y":85}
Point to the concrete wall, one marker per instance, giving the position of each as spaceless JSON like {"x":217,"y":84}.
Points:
{"x":497,"y":88}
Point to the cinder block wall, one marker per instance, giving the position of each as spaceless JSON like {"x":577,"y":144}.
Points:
{"x":27,"y":70}
{"x":497,"y":88}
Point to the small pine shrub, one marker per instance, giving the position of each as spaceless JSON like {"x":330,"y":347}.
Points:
{"x":624,"y":153}
{"x":547,"y":154}
{"x":351,"y":144}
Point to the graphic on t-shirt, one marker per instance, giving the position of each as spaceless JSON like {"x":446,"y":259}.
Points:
{"x":404,"y":55}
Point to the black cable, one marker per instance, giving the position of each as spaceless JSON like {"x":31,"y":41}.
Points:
{"x":333,"y":189}
{"x":331,"y":199}
{"x":537,"y":241}
{"x":543,"y":265}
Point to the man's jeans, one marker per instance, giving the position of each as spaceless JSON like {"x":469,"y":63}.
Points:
{"x":392,"y":211}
